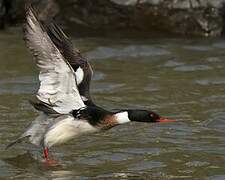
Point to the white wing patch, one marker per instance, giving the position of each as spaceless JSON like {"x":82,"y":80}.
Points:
{"x":58,"y":86}
{"x":79,"y":75}
{"x":84,"y":98}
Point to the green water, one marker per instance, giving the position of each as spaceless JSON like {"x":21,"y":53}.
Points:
{"x":183,"y":79}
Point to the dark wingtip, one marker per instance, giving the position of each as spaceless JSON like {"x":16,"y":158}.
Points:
{"x":29,"y":8}
{"x":57,"y":35}
{"x":29,"y":14}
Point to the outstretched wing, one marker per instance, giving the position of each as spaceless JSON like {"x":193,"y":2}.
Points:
{"x":58,"y":86}
{"x":80,"y":65}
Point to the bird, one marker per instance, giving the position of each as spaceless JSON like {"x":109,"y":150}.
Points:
{"x":63,"y":100}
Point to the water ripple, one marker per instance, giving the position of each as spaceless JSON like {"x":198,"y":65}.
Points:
{"x":146,"y":166}
{"x":107,"y":87}
{"x":215,"y":81}
{"x":219,"y":45}
{"x":129,"y":51}
{"x":217,"y":177}
{"x":18,"y":85}
{"x":214,"y":98}
{"x":191,"y":68}
{"x":172,"y":63}
{"x":97,"y":76}
{"x":198,"y":48}
{"x":196,"y":164}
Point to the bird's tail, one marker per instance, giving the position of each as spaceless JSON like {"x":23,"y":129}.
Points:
{"x":18,"y":140}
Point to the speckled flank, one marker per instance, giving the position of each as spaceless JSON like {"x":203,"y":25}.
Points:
{"x":108,"y":122}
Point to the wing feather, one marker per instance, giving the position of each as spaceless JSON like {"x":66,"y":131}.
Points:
{"x":58,"y":87}
{"x":79,"y":64}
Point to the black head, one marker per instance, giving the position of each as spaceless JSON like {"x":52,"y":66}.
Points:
{"x":143,"y":116}
{"x":146,"y":116}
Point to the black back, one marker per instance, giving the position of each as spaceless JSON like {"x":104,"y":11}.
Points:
{"x":93,"y":114}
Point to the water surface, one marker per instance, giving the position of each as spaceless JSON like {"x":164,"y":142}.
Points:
{"x":182,"y":79}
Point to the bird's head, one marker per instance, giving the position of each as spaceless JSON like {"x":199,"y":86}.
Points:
{"x":146,"y":116}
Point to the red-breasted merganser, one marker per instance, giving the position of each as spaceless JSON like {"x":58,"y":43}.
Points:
{"x":63,"y":98}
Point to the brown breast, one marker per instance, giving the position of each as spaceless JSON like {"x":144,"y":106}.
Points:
{"x":107,"y":122}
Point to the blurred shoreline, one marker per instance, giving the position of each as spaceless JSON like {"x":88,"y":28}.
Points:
{"x":132,"y":18}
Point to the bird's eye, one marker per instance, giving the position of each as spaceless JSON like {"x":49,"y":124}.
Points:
{"x":154,"y":115}
{"x":151,"y":115}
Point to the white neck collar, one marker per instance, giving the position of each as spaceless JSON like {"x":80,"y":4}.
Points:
{"x":122,"y":117}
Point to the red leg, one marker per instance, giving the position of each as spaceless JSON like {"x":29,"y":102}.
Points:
{"x":47,"y":160}
{"x":46,"y":153}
